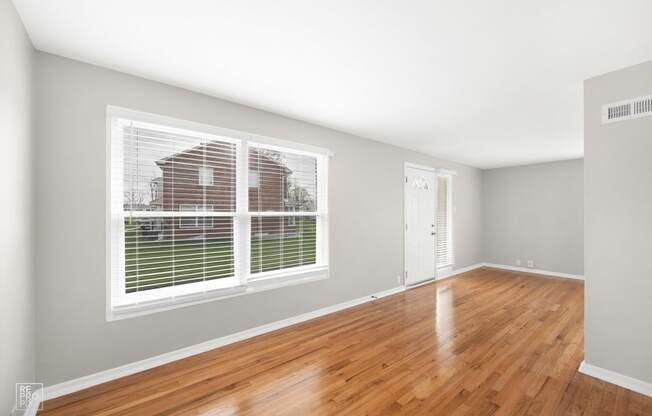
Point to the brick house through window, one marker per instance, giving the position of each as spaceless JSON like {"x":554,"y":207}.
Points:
{"x":202,"y":179}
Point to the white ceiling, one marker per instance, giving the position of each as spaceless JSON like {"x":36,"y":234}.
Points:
{"x":486,"y":83}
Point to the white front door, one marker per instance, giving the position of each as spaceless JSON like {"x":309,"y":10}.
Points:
{"x":419,"y":224}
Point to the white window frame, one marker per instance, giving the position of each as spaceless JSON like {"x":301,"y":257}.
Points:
{"x":320,"y":214}
{"x":450,"y":263}
{"x":121,"y":306}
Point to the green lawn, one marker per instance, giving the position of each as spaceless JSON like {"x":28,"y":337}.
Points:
{"x":281,"y":253}
{"x":155,"y":264}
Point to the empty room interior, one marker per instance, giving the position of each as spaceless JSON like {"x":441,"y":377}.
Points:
{"x":325,"y":207}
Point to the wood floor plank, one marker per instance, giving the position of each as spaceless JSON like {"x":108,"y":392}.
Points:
{"x":488,"y":342}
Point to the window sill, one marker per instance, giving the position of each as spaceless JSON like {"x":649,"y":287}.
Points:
{"x":264,"y":283}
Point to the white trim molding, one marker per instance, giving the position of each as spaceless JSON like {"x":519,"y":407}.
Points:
{"x":418,"y":166}
{"x":145,"y":117}
{"x":633,"y":384}
{"x":254,"y":286}
{"x":535,"y":271}
{"x":33,"y":406}
{"x":81,"y":383}
{"x":71,"y":386}
{"x":446,"y":172}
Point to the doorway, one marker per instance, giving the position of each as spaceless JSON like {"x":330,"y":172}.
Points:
{"x":420,"y":231}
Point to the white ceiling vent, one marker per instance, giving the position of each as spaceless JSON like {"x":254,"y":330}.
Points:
{"x":627,"y":109}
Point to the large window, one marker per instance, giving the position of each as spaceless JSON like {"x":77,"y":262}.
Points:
{"x":444,"y":218}
{"x":195,"y":222}
{"x":199,"y":212}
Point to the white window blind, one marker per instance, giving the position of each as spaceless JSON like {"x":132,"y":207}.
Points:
{"x":165,"y":247}
{"x":195,"y":222}
{"x":186,"y":221}
{"x":284,"y":209}
{"x":444,"y":248}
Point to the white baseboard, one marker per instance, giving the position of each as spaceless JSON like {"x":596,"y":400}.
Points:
{"x":81,"y":383}
{"x":32,"y":408}
{"x":535,"y":271}
{"x":618,"y":379}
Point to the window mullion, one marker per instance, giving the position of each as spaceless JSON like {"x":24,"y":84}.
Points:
{"x":242,"y":220}
{"x":322,"y":211}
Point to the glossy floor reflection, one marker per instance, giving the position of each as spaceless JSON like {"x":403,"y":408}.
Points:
{"x":486,"y":342}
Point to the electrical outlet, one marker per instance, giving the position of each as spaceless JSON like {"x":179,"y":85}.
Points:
{"x":398,"y":278}
{"x":530,"y":264}
{"x":518,"y":262}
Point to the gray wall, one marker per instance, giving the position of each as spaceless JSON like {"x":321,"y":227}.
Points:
{"x":618,"y":239}
{"x":366,"y":213}
{"x":16,"y":277}
{"x":535,"y":212}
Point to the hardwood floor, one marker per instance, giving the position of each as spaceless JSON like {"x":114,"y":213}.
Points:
{"x":486,"y":342}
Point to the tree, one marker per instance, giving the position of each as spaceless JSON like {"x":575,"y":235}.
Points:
{"x":134,"y":198}
{"x":300,"y":198}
